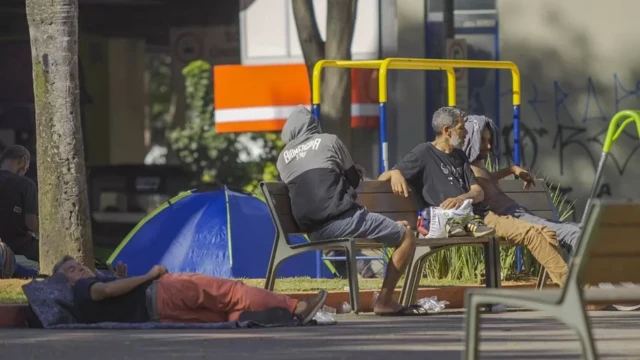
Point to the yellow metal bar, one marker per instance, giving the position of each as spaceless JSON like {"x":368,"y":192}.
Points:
{"x":376,"y":64}
{"x":445,"y":64}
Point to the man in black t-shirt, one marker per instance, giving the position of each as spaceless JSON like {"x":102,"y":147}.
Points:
{"x":182,"y":298}
{"x":439,"y":170}
{"x":19,"y":205}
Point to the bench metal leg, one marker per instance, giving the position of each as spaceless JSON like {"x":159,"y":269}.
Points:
{"x":277,"y":256}
{"x":574,"y":314}
{"x":586,"y":339}
{"x":580,"y":324}
{"x":352,"y":274}
{"x":489,"y":264}
{"x":497,"y":266}
{"x":413,"y":275}
{"x":542,"y":278}
{"x":472,"y":329}
{"x":492,"y":266}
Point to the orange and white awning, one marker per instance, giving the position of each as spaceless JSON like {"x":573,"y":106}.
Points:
{"x":260,"y":98}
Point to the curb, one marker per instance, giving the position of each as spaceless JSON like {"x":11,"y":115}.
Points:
{"x":453,"y":294}
{"x":14,"y":315}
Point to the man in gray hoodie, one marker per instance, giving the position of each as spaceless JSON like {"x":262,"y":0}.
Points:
{"x":322,"y":180}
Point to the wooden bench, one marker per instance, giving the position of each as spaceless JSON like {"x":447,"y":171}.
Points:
{"x":608,"y":251}
{"x":377,"y":197}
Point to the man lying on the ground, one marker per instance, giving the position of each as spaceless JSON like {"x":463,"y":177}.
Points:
{"x":322,"y":180}
{"x":478,"y":147}
{"x":183,"y":298}
{"x":442,"y":173}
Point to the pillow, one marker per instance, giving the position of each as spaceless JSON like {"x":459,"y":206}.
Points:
{"x":51,"y":300}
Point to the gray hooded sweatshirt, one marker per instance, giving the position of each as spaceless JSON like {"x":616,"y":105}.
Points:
{"x":318,"y":171}
{"x":475,"y":124}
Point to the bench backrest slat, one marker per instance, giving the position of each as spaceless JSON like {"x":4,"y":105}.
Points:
{"x":536,"y":198}
{"x":277,"y":196}
{"x":545,"y":214}
{"x":614,"y":254}
{"x":378,"y":197}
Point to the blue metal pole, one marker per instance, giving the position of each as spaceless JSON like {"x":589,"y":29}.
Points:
{"x":315,"y":110}
{"x":516,"y":134}
{"x":516,"y":160}
{"x":384,"y":155}
{"x":318,"y":264}
{"x":496,"y":49}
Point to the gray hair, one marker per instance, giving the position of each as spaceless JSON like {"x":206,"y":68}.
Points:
{"x":446,"y":116}
{"x":15,"y":152}
{"x":61,"y":262}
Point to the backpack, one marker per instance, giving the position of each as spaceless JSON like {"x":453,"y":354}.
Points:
{"x":7,"y":261}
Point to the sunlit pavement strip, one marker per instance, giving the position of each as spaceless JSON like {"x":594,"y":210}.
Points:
{"x":512,"y":335}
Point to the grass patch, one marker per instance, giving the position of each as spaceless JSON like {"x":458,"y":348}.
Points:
{"x":11,"y":290}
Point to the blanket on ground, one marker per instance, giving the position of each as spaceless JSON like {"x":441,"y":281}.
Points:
{"x":51,"y":300}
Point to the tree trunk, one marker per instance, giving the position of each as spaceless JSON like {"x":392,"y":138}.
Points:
{"x":308,"y":33}
{"x":449,"y":25}
{"x":336,"y":87}
{"x":65,"y":226}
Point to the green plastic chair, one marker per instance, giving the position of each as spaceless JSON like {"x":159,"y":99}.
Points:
{"x":613,"y":133}
{"x":568,"y":304}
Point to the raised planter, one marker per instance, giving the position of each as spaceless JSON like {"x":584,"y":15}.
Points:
{"x":453,"y":294}
{"x":13,"y":316}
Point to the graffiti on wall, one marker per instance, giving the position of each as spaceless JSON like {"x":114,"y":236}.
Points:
{"x":554,"y":119}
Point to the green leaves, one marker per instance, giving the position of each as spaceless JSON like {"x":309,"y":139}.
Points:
{"x":218,"y":158}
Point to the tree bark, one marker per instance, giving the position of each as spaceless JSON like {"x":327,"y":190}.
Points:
{"x":336,"y":87}
{"x":65,"y":226}
{"x":308,"y":33}
{"x":448,"y":19}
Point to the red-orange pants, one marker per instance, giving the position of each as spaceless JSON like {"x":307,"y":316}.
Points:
{"x":196,"y":298}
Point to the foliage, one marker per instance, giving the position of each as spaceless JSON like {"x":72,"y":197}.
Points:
{"x":237,"y":160}
{"x":159,"y":66}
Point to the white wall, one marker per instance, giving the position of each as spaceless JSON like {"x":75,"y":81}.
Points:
{"x":268,"y":32}
{"x":579,"y":61}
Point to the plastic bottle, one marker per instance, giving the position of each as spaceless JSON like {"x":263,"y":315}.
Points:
{"x":432,"y":304}
{"x":325,"y":316}
{"x":345,"y":308}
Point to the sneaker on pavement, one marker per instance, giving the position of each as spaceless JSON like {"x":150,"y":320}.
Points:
{"x":478,"y":228}
{"x":455,"y":228}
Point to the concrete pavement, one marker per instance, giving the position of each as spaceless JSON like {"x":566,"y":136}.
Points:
{"x":513,"y":335}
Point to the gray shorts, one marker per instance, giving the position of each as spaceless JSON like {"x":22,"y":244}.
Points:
{"x":359,"y":223}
